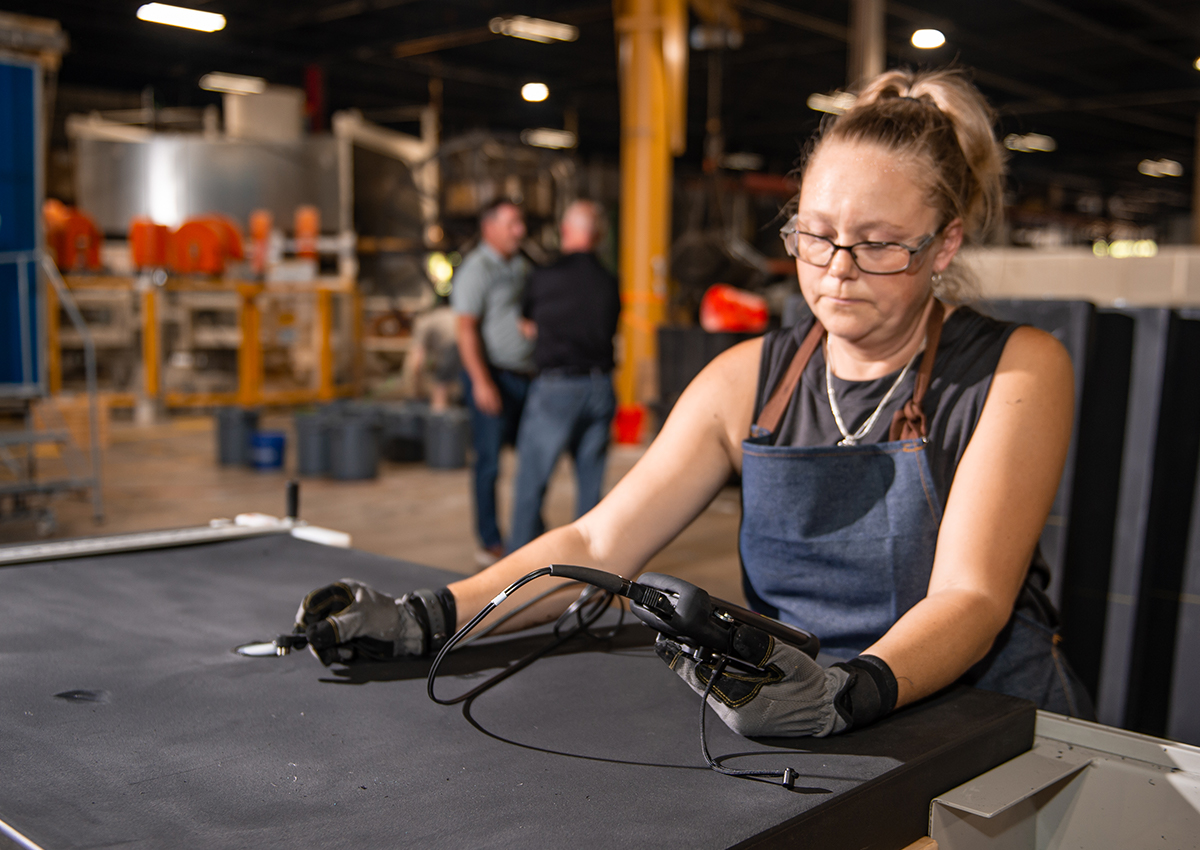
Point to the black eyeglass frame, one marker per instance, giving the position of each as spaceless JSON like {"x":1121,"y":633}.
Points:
{"x":785,"y":232}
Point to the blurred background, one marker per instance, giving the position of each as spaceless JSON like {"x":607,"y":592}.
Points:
{"x":221,"y":229}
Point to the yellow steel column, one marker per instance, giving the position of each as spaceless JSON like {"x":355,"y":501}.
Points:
{"x":250,"y":352}
{"x":325,"y":389}
{"x":648,"y":116}
{"x":53,"y":346}
{"x":356,"y":326}
{"x":151,"y":345}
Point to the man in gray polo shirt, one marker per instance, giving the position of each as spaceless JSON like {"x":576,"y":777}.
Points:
{"x":497,"y":358}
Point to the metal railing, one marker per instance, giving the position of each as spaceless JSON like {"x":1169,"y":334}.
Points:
{"x":31,"y":385}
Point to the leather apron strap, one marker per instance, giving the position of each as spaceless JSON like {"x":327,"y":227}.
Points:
{"x":909,"y":421}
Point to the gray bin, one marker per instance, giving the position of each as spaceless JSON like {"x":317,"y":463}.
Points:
{"x":404,"y":431}
{"x":354,"y":448}
{"x":312,"y":444}
{"x":446,"y":439}
{"x":235,"y":427}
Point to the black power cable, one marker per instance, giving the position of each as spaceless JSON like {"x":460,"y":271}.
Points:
{"x":585,"y":616}
{"x":787,"y":776}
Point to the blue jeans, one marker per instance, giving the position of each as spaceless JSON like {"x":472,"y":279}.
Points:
{"x":562,"y":413}
{"x":488,"y":436}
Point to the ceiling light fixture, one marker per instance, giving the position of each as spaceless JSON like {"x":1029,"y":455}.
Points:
{"x":1160,"y":168}
{"x":535,"y":92}
{"x":232,"y":83}
{"x":835,"y":103}
{"x":1196,"y":64}
{"x":928,"y":39}
{"x":547,"y":137}
{"x":177,"y":16}
{"x":533,"y":29}
{"x":1030,"y":143}
{"x":742,"y":161}
{"x":1123,"y":249}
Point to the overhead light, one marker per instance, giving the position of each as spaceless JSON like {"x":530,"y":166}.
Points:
{"x":1196,"y":64}
{"x":1123,"y":249}
{"x":704,"y":37}
{"x":1030,"y":143}
{"x":1160,"y":168}
{"x":232,"y":83}
{"x":928,"y":39}
{"x":742,"y":161}
{"x":440,"y":271}
{"x":546,"y":137}
{"x":533,"y":29}
{"x":177,"y":16}
{"x":535,"y":92}
{"x":835,"y":103}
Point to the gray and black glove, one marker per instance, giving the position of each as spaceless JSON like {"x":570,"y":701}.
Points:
{"x":794,"y":696}
{"x":350,"y":621}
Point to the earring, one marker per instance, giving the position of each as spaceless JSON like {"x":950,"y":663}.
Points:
{"x":937,"y":277}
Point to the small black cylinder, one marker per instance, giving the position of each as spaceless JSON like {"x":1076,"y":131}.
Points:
{"x":293,"y":499}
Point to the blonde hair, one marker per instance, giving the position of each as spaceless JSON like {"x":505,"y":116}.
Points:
{"x":940,"y":121}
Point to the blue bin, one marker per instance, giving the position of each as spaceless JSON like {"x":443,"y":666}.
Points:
{"x":266,"y":450}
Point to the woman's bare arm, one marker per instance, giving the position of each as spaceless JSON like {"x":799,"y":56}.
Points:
{"x":1001,"y":495}
{"x":681,"y":472}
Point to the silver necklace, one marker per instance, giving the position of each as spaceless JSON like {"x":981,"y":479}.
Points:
{"x":849,"y":439}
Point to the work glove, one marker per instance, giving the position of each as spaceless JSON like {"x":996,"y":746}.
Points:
{"x":350,"y":621}
{"x":790,"y":695}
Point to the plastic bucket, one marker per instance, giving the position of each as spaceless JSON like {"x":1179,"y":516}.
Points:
{"x":312,"y":444}
{"x":446,"y":436}
{"x":353,"y":448}
{"x":404,"y":432}
{"x":267,"y":449}
{"x":235,"y":426}
{"x":627,"y":425}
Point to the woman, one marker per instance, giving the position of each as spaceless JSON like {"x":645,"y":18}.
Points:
{"x":899,"y":455}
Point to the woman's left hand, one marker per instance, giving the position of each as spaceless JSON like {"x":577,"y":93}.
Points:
{"x":792,"y":696}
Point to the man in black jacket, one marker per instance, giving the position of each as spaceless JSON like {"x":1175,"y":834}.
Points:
{"x":572,"y":307}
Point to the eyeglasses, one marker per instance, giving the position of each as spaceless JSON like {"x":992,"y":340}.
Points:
{"x":870,"y":257}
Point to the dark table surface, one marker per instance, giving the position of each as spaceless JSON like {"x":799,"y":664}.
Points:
{"x":171,"y":737}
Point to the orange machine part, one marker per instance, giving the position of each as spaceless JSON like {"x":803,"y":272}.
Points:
{"x":55,"y":214}
{"x":726,"y":308}
{"x":74,"y":239}
{"x":195,"y":248}
{"x":230,"y":234}
{"x":261,"y":222}
{"x":148,"y":243}
{"x":308,"y":227}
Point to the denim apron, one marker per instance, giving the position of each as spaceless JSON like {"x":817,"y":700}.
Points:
{"x":840,"y":540}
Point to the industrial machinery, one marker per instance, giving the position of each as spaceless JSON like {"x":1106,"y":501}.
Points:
{"x":259,"y":264}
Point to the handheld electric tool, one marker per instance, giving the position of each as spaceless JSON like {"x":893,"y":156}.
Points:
{"x":704,"y":625}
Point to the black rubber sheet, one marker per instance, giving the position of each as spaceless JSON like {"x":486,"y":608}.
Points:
{"x":166,"y":737}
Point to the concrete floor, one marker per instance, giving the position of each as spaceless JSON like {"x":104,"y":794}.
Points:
{"x":166,"y":476}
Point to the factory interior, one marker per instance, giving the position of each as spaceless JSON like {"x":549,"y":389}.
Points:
{"x":239,"y":245}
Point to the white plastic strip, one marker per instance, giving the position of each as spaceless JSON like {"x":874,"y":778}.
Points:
{"x":85,"y":546}
{"x":17,"y":838}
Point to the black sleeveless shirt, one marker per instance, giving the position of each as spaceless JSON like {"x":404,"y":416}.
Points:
{"x":968,"y":352}
{"x":967,"y":356}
